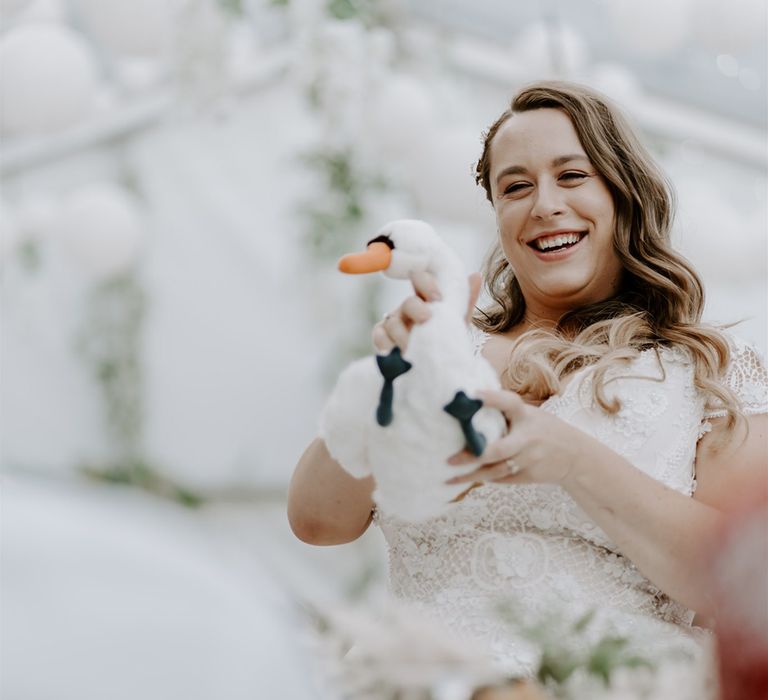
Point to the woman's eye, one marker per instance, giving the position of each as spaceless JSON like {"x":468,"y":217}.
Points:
{"x":515,"y":187}
{"x":573,"y":176}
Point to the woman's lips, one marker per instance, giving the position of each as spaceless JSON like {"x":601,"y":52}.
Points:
{"x":560,"y":253}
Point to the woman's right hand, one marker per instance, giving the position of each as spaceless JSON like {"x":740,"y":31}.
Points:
{"x":395,"y":328}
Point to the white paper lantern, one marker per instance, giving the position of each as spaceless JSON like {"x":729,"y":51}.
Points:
{"x":48,"y":79}
{"x":654,"y":27}
{"x":442,"y":174}
{"x":551,"y":50}
{"x":731,"y":26}
{"x":139,"y":27}
{"x":401,"y":115}
{"x":102,"y":228}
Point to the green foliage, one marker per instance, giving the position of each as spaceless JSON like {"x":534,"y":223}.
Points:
{"x":610,"y":654}
{"x":565,"y":647}
{"x":144,"y":476}
{"x":371,"y":13}
{"x":110,"y":343}
{"x":556,"y":666}
{"x":344,"y":9}
{"x":232,"y":7}
{"x":29,"y":255}
{"x":335,"y":217}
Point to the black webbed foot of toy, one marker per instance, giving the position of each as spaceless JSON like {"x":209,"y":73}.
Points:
{"x":462,"y":408}
{"x":391,"y":367}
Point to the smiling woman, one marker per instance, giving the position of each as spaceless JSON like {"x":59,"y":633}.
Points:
{"x":555,"y":214}
{"x":626,"y":415}
{"x":622,"y":280}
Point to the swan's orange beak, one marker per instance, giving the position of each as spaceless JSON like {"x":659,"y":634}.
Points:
{"x":376,"y":258}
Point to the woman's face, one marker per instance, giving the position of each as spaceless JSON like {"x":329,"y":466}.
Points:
{"x":555,"y":214}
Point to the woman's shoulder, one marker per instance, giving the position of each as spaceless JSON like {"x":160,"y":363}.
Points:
{"x":746,"y":376}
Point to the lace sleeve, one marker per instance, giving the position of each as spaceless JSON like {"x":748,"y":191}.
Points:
{"x":747,"y":377}
{"x":477,"y":337}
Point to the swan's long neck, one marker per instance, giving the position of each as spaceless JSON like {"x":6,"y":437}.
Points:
{"x":451,"y":279}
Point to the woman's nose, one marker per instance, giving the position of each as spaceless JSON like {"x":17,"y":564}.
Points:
{"x":548,"y":202}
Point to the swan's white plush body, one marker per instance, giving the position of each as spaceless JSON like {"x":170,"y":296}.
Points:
{"x":408,"y":457}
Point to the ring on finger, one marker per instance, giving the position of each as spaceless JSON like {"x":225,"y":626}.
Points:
{"x":512,"y":467}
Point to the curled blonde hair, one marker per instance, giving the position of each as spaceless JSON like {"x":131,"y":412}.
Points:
{"x":661,"y":297}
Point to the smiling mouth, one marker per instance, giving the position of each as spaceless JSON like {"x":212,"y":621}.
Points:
{"x":553,"y":244}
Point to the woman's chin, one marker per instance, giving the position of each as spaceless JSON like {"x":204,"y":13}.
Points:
{"x":571,"y":289}
{"x":565,"y":292}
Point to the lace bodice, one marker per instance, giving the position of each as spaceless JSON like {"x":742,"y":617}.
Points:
{"x":534,"y":545}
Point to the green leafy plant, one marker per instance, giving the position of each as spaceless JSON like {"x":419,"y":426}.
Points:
{"x":232,"y":7}
{"x":110,"y":343}
{"x":334,"y":218}
{"x":566,"y":647}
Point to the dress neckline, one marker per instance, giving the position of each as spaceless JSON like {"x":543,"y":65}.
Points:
{"x":573,"y":379}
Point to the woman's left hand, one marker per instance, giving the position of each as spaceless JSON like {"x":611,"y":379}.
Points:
{"x":539,"y":447}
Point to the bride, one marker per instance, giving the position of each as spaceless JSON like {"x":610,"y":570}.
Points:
{"x":627,"y":416}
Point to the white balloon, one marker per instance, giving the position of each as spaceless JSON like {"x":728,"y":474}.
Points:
{"x":102,"y":228}
{"x":401,"y":114}
{"x":551,"y":50}
{"x":653,"y":27}
{"x":442,"y":174}
{"x":139,"y":27}
{"x":48,"y":79}
{"x":730,"y":26}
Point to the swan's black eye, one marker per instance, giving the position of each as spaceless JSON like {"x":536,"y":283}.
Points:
{"x":382,"y":239}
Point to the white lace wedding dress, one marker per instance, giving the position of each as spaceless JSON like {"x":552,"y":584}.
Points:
{"x":532,"y":545}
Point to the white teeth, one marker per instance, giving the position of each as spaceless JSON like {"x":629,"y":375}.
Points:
{"x":555,"y":241}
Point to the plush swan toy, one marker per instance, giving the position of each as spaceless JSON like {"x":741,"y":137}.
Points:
{"x":401,"y":416}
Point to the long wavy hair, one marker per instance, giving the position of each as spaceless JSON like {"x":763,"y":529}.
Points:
{"x":661,"y":297}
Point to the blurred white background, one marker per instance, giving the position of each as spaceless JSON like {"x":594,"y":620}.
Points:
{"x":178,"y":179}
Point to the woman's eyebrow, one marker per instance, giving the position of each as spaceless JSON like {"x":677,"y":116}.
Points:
{"x":560,"y":160}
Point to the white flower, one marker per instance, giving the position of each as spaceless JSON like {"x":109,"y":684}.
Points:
{"x":400,"y":647}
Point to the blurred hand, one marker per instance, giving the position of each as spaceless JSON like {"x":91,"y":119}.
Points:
{"x":395,"y":327}
{"x":539,"y":448}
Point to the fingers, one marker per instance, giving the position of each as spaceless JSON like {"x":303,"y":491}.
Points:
{"x":508,"y":402}
{"x":425,"y":286}
{"x":398,"y":330}
{"x":381,"y":340}
{"x":504,"y":471}
{"x":414,"y":310}
{"x":495,"y":453}
{"x":461,"y":496}
{"x":390,"y":331}
{"x":395,"y":328}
